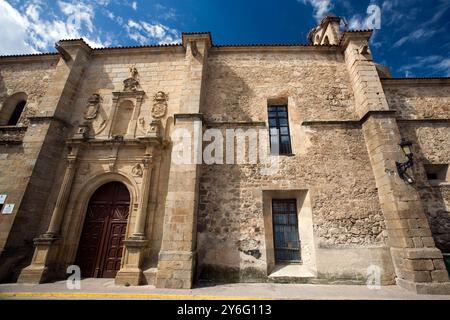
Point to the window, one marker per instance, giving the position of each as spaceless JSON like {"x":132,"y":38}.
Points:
{"x":15,"y":117}
{"x":11,"y":111}
{"x":280,"y":140}
{"x":436,"y":172}
{"x":285,"y":231}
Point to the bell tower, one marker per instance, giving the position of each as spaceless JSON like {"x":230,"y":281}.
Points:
{"x":327,"y":32}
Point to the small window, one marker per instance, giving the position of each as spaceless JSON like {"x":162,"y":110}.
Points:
{"x":436,"y":172}
{"x":280,"y":139}
{"x":15,"y":117}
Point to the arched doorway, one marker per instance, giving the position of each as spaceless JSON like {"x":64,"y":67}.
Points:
{"x":101,"y":244}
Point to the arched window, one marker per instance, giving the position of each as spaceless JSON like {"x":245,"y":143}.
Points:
{"x":317,"y":39}
{"x":14,"y":119}
{"x":12,"y":109}
{"x":326,"y":41}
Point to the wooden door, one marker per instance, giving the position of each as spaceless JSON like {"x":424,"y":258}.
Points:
{"x":101,"y":244}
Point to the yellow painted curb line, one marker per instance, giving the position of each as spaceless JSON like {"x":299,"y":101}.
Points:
{"x":120,"y":296}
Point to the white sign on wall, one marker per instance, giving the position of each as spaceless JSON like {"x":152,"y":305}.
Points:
{"x":2,"y":198}
{"x":8,"y":208}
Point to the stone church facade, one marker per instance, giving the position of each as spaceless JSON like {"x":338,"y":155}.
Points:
{"x":88,"y":175}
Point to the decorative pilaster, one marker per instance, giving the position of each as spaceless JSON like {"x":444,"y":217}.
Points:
{"x":418,"y":263}
{"x":131,"y":272}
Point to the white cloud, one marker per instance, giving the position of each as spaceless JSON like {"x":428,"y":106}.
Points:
{"x":434,"y":64}
{"x":14,"y":31}
{"x":134,"y":5}
{"x":321,"y":7}
{"x":148,"y":33}
{"x":418,"y":34}
{"x":38,"y":28}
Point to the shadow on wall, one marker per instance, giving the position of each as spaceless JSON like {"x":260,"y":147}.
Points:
{"x":230,"y":224}
{"x":434,"y":197}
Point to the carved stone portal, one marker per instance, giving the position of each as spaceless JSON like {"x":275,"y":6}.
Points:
{"x":160,"y":105}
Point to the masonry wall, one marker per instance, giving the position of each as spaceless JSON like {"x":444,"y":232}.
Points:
{"x":330,"y":162}
{"x":17,"y":161}
{"x":423,"y":109}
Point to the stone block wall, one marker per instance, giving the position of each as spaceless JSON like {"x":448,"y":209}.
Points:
{"x":18,"y":160}
{"x":431,"y":147}
{"x":331,"y":162}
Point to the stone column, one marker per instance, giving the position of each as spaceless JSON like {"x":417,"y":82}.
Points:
{"x":139,"y":227}
{"x":46,"y":246}
{"x":178,"y":250}
{"x":63,"y":196}
{"x":418,"y":263}
{"x":131,"y":272}
{"x":57,"y":105}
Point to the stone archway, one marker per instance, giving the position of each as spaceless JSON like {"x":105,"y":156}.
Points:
{"x":100,"y":247}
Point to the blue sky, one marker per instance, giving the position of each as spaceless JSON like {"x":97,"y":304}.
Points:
{"x":414,"y":38}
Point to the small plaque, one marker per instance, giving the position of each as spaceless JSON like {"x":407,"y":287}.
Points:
{"x":3,"y":198}
{"x":8,"y":208}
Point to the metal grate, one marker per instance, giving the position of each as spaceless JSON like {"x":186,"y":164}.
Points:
{"x":285,"y":231}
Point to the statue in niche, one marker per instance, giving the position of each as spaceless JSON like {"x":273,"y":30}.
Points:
{"x":160,"y":105}
{"x":92,"y":107}
{"x":131,"y":84}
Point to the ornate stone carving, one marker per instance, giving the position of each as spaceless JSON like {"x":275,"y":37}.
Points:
{"x":131,"y":84}
{"x":137,"y":170}
{"x":142,"y":125}
{"x":160,"y":105}
{"x":92,"y":107}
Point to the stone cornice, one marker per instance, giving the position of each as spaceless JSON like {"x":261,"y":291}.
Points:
{"x":356,"y":34}
{"x":188,"y":116}
{"x":358,"y":123}
{"x":139,"y":50}
{"x":32,"y":58}
{"x":275,"y":48}
{"x":438,"y":81}
{"x":213,"y":124}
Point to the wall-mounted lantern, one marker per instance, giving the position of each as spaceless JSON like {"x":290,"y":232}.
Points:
{"x":403,"y":167}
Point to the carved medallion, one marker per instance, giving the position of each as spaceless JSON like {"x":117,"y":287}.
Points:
{"x":92,"y":107}
{"x":137,"y":170}
{"x":160,"y":105}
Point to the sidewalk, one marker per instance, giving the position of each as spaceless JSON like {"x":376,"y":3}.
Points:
{"x":105,"y":289}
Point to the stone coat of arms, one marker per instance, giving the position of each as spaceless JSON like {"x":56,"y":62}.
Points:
{"x":159,"y":109}
{"x":92,"y":107}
